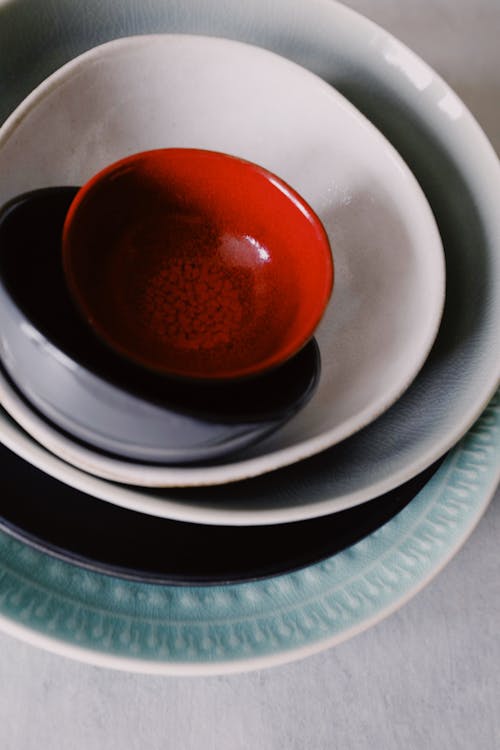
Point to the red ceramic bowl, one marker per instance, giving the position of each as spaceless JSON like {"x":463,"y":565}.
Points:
{"x":197,"y":264}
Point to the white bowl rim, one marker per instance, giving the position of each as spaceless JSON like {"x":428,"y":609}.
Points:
{"x":148,"y":475}
{"x":27,"y":448}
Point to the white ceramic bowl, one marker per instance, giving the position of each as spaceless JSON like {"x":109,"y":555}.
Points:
{"x":454,"y":163}
{"x":141,"y":93}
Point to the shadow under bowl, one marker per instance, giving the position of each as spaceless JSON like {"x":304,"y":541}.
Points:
{"x":86,"y":389}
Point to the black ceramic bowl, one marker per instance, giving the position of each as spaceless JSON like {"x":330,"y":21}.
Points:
{"x":93,"y":394}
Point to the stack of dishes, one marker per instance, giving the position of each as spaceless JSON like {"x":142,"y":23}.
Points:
{"x":144,"y":557}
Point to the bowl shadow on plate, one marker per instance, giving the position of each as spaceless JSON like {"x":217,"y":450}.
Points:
{"x":99,"y":536}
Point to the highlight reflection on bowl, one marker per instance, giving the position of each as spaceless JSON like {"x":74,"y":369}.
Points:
{"x":198,"y":264}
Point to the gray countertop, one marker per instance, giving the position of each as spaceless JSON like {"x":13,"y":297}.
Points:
{"x":427,"y":677}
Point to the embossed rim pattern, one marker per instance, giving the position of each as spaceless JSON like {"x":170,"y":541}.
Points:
{"x":178,"y":630}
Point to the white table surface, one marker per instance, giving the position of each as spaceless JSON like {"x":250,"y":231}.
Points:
{"x":427,"y":678}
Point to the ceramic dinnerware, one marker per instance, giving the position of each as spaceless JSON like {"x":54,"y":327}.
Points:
{"x":105,"y":538}
{"x":388,"y":297}
{"x":200,"y":630}
{"x":196,"y":265}
{"x":98,"y":397}
{"x":173,"y":630}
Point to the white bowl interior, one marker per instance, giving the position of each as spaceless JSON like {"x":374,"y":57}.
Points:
{"x":453,"y":162}
{"x":191,"y":91}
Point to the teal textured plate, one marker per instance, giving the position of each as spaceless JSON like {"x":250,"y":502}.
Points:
{"x":186,"y":630}
{"x":219,"y":629}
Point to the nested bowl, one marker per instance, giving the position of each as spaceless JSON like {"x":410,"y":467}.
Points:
{"x":196,"y":264}
{"x":455,"y":165}
{"x":165,"y":91}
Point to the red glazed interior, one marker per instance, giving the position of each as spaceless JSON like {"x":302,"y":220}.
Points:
{"x":197,"y":264}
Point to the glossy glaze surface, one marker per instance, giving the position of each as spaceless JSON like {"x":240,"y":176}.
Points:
{"x":36,"y":38}
{"x":389,"y":266}
{"x":197,"y":264}
{"x":83,"y":387}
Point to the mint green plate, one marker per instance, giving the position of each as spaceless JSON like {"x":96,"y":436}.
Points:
{"x":185,"y":630}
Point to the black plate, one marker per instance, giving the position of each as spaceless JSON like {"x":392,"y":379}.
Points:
{"x":51,"y":516}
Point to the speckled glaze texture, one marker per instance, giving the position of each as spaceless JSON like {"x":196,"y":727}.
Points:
{"x":80,"y":385}
{"x":454,"y":164}
{"x":219,"y":270}
{"x":126,"y":625}
{"x":181,"y":630}
{"x":242,"y":100}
